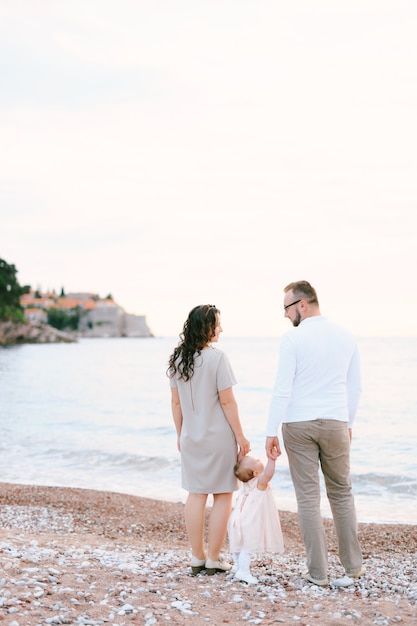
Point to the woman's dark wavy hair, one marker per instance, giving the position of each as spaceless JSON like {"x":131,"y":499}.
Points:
{"x":197,"y":332}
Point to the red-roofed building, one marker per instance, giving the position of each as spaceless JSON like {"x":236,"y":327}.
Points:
{"x":97,"y":317}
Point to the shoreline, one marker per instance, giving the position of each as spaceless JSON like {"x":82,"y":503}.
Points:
{"x":282,"y":501}
{"x":74,"y":556}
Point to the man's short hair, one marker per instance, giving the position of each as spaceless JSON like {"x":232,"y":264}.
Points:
{"x":303,"y":290}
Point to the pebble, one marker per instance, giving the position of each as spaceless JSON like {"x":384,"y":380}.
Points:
{"x":146,"y":583}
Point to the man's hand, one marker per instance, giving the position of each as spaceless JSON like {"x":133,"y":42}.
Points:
{"x":273,"y":451}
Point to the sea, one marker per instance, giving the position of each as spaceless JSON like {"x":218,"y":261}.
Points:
{"x":96,"y":414}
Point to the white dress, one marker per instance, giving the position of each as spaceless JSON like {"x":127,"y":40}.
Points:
{"x":254,"y":523}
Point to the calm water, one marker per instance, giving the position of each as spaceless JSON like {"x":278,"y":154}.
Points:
{"x":96,"y":414}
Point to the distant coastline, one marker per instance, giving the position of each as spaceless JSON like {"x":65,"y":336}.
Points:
{"x":16,"y":333}
{"x":52,"y":318}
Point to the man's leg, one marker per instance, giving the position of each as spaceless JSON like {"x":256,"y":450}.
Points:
{"x":335,"y":462}
{"x":303,"y":457}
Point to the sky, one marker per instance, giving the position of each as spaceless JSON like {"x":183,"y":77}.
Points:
{"x":174,"y":153}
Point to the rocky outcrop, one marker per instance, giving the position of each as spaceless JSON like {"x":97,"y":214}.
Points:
{"x":95,"y":316}
{"x":12,"y":333}
{"x":135,"y":326}
{"x":110,"y":320}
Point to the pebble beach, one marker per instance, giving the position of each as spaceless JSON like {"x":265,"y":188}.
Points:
{"x":84,"y":557}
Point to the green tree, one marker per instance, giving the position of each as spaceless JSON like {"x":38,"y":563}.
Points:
{"x":62,"y":319}
{"x":10,"y":292}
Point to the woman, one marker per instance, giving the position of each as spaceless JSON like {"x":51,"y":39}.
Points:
{"x":210,"y":436}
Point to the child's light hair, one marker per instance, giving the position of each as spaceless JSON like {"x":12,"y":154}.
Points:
{"x":242,"y":472}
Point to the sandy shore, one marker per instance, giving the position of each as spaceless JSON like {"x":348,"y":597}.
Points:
{"x":75,"y":556}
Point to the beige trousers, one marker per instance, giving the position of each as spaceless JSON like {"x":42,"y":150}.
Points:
{"x":326,"y":444}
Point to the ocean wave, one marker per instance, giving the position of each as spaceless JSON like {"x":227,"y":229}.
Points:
{"x":375,"y":484}
{"x":98,"y":459}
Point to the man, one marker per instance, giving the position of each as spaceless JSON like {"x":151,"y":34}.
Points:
{"x":315,"y":397}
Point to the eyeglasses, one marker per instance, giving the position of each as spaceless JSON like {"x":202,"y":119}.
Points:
{"x":292,"y":304}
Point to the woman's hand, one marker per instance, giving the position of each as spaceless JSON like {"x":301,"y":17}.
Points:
{"x":244,"y":447}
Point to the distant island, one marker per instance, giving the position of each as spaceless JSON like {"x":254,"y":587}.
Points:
{"x":32,"y":316}
{"x":86,"y":314}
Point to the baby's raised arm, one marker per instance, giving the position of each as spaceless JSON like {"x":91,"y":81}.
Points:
{"x":266,"y":476}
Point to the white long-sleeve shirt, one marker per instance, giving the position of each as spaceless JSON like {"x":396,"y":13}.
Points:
{"x":318,"y":375}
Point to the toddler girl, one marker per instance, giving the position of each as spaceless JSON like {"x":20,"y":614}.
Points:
{"x":254,"y":524}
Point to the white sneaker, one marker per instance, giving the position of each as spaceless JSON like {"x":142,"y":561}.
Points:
{"x":359,"y":574}
{"x":234,"y":569}
{"x":245,"y":577}
{"x":320,"y":582}
{"x":349,"y":579}
{"x":344,"y":581}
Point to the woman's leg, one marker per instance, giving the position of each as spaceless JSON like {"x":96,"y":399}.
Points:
{"x":194,"y":514}
{"x":217,"y":527}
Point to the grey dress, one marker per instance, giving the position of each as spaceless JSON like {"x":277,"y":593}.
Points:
{"x":208,"y":445}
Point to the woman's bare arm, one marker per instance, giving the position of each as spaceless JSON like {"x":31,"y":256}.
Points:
{"x":176,"y":413}
{"x":231,"y":411}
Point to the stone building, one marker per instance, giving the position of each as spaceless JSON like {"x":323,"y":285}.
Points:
{"x":98,"y":317}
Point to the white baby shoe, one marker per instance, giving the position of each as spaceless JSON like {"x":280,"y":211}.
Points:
{"x":245,"y":577}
